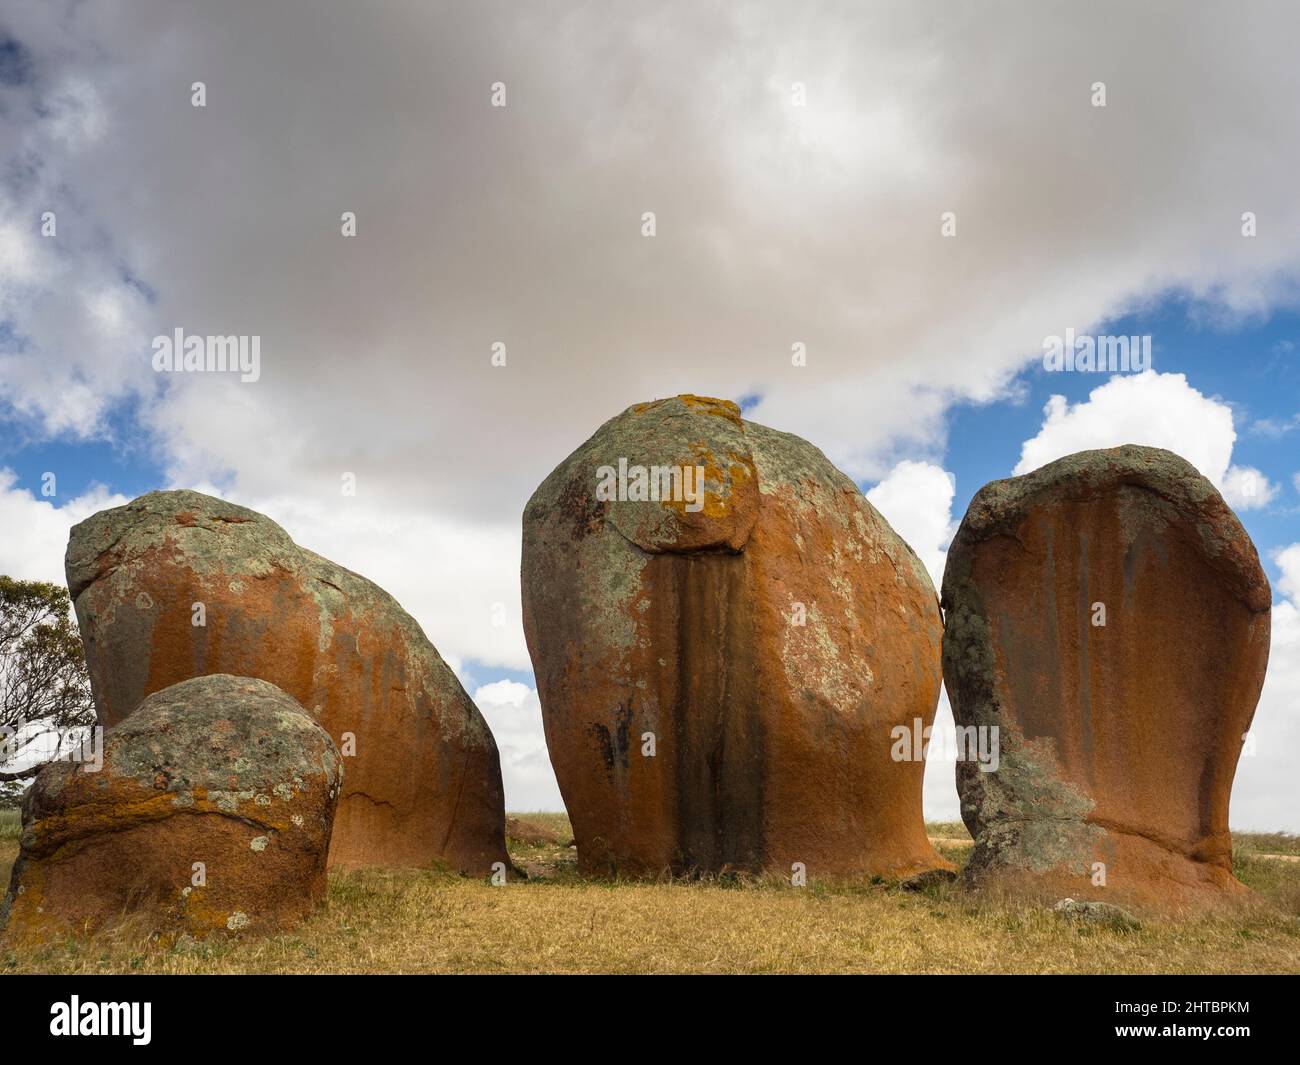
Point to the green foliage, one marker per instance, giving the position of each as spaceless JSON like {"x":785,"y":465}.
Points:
{"x":43,"y":675}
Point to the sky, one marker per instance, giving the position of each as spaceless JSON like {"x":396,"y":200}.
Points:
{"x":915,"y":195}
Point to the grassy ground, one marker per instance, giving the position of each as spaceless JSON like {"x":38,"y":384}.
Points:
{"x":556,"y":922}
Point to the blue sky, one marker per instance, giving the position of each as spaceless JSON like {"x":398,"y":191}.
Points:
{"x":1253,"y":366}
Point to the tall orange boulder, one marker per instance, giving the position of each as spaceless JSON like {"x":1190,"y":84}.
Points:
{"x":726,"y":637}
{"x":210,"y":812}
{"x":179,"y":584}
{"x":1108,"y":619}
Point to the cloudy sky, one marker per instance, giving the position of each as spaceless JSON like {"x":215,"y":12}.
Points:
{"x":799,"y":161}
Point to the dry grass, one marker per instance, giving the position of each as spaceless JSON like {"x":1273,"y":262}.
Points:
{"x":435,"y":922}
{"x":1266,"y":843}
{"x":557,"y":823}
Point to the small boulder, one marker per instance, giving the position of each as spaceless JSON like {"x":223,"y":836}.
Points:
{"x":929,"y":880}
{"x":1098,"y":913}
{"x":211,"y":813}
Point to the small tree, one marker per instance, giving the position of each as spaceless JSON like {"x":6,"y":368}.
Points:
{"x":44,"y":685}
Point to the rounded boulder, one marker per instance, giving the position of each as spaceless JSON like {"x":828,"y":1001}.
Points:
{"x":210,"y":811}
{"x":727,"y":639}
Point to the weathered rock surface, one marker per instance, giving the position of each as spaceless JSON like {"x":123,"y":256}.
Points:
{"x":1098,"y":913}
{"x":1118,"y":741}
{"x":229,"y":772}
{"x":677,"y":622}
{"x":424,"y":781}
{"x":929,"y":880}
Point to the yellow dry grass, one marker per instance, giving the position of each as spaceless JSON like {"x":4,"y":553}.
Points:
{"x":433,"y":922}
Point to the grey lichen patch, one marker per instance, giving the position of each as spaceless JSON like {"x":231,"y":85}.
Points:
{"x":1143,"y":511}
{"x":786,"y":461}
{"x":286,"y":720}
{"x":1023,"y":815}
{"x":181,"y":746}
{"x":214,"y":731}
{"x":968,"y":655}
{"x":1097,"y":913}
{"x":259,"y":843}
{"x":189,"y":523}
{"x":615,"y":567}
{"x":337,"y":592}
{"x":237,"y":920}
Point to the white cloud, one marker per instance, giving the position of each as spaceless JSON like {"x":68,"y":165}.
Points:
{"x":916,"y":499}
{"x":1264,"y":794}
{"x":1245,"y":488}
{"x":939,"y":793}
{"x":36,"y":530}
{"x":1157,"y":410}
{"x":1288,"y":561}
{"x":514,"y":714}
{"x":75,"y":113}
{"x":17,"y":255}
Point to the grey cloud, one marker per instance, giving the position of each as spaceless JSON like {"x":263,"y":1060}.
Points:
{"x":776,"y":224}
